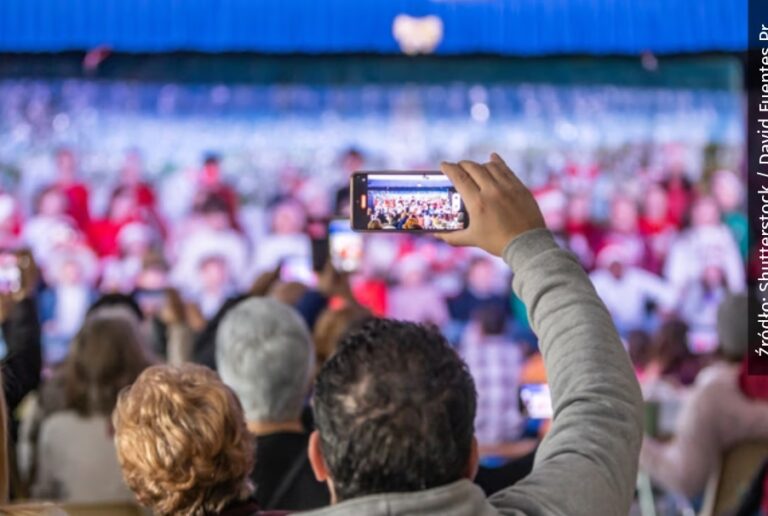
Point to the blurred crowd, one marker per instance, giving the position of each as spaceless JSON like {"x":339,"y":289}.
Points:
{"x":663,"y":252}
{"x":657,"y":247}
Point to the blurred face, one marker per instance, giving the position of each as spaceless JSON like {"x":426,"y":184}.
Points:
{"x":217,"y":220}
{"x":71,"y":273}
{"x":66,"y":166}
{"x":214,"y":274}
{"x":554,"y":218}
{"x":624,"y":216}
{"x":288,"y":219}
{"x":53,"y":204}
{"x":152,"y":279}
{"x":481,"y":277}
{"x":211,"y":173}
{"x":616,"y":269}
{"x":705,"y":213}
{"x":412,"y":277}
{"x":727,"y":191}
{"x":578,"y":209}
{"x":352,"y":163}
{"x":122,"y":207}
{"x":136,"y":248}
{"x":655,"y":203}
{"x":132,"y":167}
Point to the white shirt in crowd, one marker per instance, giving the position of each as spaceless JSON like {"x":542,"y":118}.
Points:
{"x":72,"y":302}
{"x":626,"y":297}
{"x":702,"y":246}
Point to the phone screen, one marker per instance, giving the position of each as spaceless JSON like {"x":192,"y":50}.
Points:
{"x":406,"y":201}
{"x":536,"y":400}
{"x":345,"y":246}
{"x":10,"y":274}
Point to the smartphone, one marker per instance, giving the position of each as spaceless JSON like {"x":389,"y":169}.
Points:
{"x":345,"y":246}
{"x":536,"y":401}
{"x":10,"y":273}
{"x":320,"y":251}
{"x":406,"y":201}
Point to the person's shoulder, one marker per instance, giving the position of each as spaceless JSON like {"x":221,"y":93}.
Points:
{"x":62,"y":421}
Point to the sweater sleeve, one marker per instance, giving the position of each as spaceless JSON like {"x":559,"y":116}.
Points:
{"x":587,"y":463}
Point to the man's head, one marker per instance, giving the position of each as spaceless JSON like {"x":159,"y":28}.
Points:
{"x":395,"y":410}
{"x":265,"y":354}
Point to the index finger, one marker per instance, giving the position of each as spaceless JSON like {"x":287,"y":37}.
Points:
{"x":465,"y":185}
{"x":501,"y":170}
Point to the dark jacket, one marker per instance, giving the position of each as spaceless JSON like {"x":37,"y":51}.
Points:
{"x":23,"y":360}
{"x":283,"y":476}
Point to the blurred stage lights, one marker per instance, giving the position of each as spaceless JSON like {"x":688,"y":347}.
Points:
{"x":480,"y":112}
{"x":417,"y":35}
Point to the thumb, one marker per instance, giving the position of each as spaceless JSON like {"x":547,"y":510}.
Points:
{"x":495,"y":157}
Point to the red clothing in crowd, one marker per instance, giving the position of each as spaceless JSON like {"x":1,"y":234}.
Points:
{"x":753,"y":386}
{"x":77,"y":204}
{"x":103,"y":236}
{"x":372,"y":294}
{"x":649,"y":227}
{"x":678,"y":199}
{"x":146,"y":203}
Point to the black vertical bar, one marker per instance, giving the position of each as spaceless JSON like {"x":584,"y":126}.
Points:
{"x":757,"y":171}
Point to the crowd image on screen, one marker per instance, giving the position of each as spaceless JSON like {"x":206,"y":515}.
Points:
{"x":413,"y":210}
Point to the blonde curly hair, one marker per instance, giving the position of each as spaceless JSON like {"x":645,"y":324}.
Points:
{"x":182,"y":441}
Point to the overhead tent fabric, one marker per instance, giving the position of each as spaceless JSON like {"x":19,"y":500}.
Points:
{"x":507,"y":27}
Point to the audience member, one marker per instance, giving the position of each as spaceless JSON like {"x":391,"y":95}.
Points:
{"x":287,"y":243}
{"x":76,"y":458}
{"x":716,"y":415}
{"x":669,"y":370}
{"x":22,"y":360}
{"x":728,"y":191}
{"x":480,"y":290}
{"x":76,"y":192}
{"x":332,"y":325}
{"x":210,"y":233}
{"x":210,"y":184}
{"x":656,"y":227}
{"x":698,"y":307}
{"x":627,"y":290}
{"x":623,"y":231}
{"x":640,"y":351}
{"x":64,"y":303}
{"x":50,"y":227}
{"x":131,"y":179}
{"x":415,"y":298}
{"x":265,"y":354}
{"x":395,"y":405}
{"x":707,"y":242}
{"x":183,"y":444}
{"x":494,"y":362}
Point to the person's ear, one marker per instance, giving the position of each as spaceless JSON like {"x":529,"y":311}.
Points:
{"x":316,"y":459}
{"x":473,"y":464}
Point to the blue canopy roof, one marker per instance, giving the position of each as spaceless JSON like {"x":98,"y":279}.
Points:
{"x":511,"y":27}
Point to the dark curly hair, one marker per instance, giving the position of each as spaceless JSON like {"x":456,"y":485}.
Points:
{"x":395,"y":410}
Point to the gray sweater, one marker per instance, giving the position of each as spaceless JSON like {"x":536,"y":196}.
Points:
{"x":587,"y":464}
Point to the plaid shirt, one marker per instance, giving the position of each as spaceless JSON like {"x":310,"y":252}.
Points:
{"x":495,"y":365}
